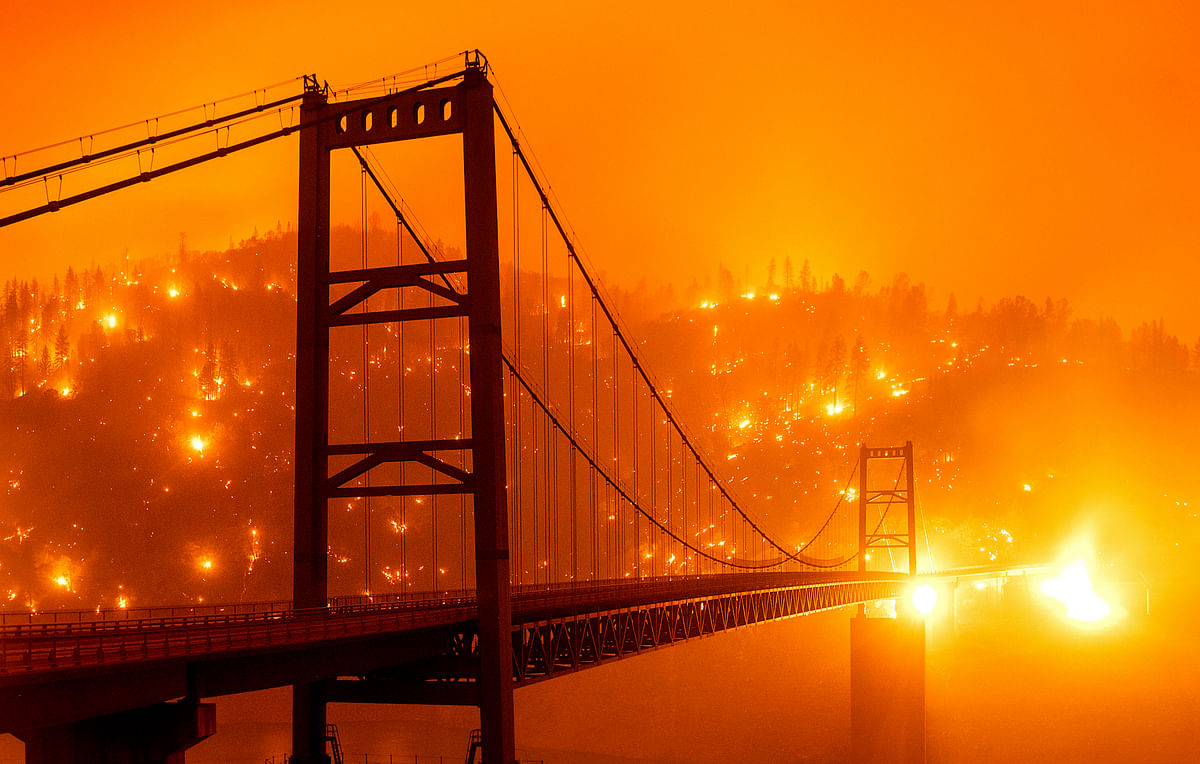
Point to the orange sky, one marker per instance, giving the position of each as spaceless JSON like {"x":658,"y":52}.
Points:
{"x":986,"y":148}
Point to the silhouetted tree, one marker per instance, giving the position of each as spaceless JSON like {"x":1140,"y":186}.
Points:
{"x":862,"y":283}
{"x":834,"y":366}
{"x":71,"y":288}
{"x":725,"y":282}
{"x":62,"y":347}
{"x":807,"y":282}
{"x":206,"y":378}
{"x":859,"y":361}
{"x":227,"y":366}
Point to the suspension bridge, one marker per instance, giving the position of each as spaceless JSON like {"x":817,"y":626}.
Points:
{"x":492,"y":400}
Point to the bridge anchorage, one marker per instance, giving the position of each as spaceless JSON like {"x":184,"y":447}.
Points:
{"x":590,"y":526}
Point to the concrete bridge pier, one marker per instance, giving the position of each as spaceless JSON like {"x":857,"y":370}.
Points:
{"x":887,"y":690}
{"x":158,"y":734}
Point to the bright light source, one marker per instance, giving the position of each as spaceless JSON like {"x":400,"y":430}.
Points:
{"x":1073,"y":588}
{"x":172,"y":292}
{"x":924,"y":599}
{"x":198,"y":443}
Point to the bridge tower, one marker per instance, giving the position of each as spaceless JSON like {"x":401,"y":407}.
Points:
{"x":882,"y":534}
{"x":465,"y":108}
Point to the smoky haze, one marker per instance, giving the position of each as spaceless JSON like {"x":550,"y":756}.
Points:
{"x":965,"y":226}
{"x":987,"y":151}
{"x":148,"y":431}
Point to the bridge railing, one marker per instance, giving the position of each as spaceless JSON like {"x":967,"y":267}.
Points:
{"x":529,"y":594}
{"x":166,"y":612}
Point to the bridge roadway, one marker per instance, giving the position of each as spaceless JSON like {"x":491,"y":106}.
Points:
{"x":60,"y":667}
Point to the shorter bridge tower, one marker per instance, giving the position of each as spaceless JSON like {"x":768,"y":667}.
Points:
{"x":887,"y":655}
{"x":878,"y":530}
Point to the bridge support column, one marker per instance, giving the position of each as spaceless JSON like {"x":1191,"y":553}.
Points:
{"x":310,"y":573}
{"x":487,"y":424}
{"x":308,"y":724}
{"x":887,"y":690}
{"x":156,"y":734}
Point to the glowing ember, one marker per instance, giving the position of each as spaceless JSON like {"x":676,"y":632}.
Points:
{"x":1073,"y":588}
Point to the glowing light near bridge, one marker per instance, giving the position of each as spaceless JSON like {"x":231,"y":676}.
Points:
{"x":924,"y":599}
{"x":1073,"y":588}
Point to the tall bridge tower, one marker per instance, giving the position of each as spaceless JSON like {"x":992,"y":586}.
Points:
{"x":465,"y":108}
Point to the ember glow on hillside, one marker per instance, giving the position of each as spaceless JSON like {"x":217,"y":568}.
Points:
{"x":198,"y":390}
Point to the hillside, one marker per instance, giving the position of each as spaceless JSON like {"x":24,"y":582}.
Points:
{"x":146,"y":415}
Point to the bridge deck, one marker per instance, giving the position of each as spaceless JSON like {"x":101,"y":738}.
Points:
{"x":80,"y":663}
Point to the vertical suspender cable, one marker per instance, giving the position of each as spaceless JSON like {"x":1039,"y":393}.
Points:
{"x":595,"y":446}
{"x":403,"y":370}
{"x":519,"y":443}
{"x":433,"y":433}
{"x":366,"y":388}
{"x":574,"y":501}
{"x":618,"y":524}
{"x":548,"y":434}
{"x":637,"y":470}
{"x":464,"y":382}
